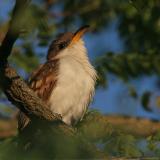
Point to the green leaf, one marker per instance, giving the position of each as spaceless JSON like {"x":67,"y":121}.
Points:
{"x":145,"y":99}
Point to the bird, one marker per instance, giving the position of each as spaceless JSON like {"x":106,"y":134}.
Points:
{"x":66,"y":81}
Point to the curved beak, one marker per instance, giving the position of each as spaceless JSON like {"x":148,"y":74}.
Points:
{"x":79,"y":33}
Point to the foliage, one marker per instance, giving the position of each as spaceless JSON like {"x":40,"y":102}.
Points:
{"x":139,"y":28}
{"x":127,"y":66}
{"x":153,"y":143}
{"x":97,"y":130}
{"x":29,"y":145}
{"x":46,"y":142}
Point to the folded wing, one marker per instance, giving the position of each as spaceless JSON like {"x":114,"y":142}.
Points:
{"x":42,"y":81}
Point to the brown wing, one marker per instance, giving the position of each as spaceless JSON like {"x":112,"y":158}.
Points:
{"x":42,"y":81}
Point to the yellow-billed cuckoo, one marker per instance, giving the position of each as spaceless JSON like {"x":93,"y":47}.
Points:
{"x":66,"y":81}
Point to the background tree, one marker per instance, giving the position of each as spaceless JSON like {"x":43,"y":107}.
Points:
{"x":138,"y":24}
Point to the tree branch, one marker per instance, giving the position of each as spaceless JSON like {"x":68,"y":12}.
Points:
{"x":13,"y":86}
{"x":16,"y":25}
{"x":23,"y":97}
{"x":106,"y":125}
{"x":144,"y":127}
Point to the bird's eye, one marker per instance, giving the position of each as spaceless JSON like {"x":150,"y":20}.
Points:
{"x":62,"y":45}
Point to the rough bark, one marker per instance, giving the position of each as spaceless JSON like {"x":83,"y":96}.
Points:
{"x":23,"y":97}
{"x":13,"y":86}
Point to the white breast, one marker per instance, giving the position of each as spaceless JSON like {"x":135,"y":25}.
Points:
{"x":74,"y":88}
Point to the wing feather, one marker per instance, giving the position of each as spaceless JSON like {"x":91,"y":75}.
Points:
{"x":42,"y":81}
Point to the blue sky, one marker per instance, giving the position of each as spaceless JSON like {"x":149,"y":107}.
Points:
{"x":115,"y":98}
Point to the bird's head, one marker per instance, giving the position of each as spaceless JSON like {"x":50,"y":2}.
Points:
{"x":66,"y":43}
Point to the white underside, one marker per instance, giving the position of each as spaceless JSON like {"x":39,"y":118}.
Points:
{"x":74,"y":87}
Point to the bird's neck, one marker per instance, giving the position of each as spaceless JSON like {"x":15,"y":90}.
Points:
{"x":78,"y":53}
